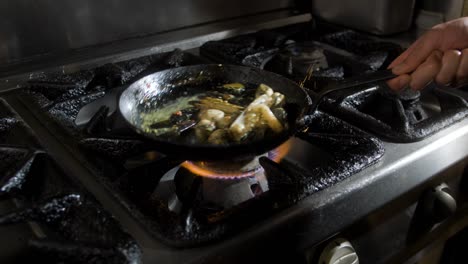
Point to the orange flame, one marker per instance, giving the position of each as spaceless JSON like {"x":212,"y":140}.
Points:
{"x":276,"y":155}
{"x":205,"y":172}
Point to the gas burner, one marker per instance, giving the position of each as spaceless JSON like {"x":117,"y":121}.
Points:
{"x":319,"y":60}
{"x":400,"y":117}
{"x":295,"y":60}
{"x":222,"y":184}
{"x":213,"y":194}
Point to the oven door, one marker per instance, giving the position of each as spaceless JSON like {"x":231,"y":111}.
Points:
{"x":427,"y":225}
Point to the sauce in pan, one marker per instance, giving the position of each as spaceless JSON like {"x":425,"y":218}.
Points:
{"x":229,"y":113}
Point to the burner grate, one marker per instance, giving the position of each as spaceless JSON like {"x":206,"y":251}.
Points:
{"x":404,"y":118}
{"x":289,"y":183}
{"x":58,"y":221}
{"x":347,"y":53}
{"x":376,"y":54}
{"x":138,"y":176}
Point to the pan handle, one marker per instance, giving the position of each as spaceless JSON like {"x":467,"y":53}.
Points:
{"x":373,"y":77}
{"x":302,"y":123}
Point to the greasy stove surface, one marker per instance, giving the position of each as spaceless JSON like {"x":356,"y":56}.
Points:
{"x":330,"y":151}
{"x":54,"y":217}
{"x":330,"y":159}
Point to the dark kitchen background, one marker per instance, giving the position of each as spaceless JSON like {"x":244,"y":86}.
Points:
{"x":376,"y":177}
{"x":40,"y":30}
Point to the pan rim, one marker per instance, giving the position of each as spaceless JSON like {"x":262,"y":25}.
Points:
{"x":275,"y":142}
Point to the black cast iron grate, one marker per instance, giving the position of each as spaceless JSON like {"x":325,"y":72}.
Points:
{"x":405,"y":117}
{"x":350,"y":151}
{"x":349,"y":53}
{"x":132,"y":169}
{"x":56,"y":220}
{"x":375,"y":53}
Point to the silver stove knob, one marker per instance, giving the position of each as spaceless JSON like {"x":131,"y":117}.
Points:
{"x":339,"y":251}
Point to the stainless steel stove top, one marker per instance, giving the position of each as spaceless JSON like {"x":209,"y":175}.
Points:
{"x":393,"y":171}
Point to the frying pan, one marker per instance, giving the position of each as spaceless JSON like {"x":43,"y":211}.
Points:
{"x":150,"y":92}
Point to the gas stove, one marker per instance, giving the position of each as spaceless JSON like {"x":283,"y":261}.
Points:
{"x":81,"y":187}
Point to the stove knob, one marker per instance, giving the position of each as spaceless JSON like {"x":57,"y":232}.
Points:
{"x":439,"y":204}
{"x":339,"y":251}
{"x":436,"y":205}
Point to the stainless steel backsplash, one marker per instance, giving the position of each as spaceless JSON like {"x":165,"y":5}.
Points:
{"x":31,"y":28}
{"x":381,"y":17}
{"x":450,"y":9}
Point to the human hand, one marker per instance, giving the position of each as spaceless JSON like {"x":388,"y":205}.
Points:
{"x":440,"y":55}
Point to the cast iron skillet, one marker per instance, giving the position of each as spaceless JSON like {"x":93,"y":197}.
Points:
{"x":148,"y":93}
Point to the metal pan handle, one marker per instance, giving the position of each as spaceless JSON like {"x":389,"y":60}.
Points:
{"x":373,"y":77}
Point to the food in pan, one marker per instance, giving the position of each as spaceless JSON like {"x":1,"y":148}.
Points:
{"x":229,"y":113}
